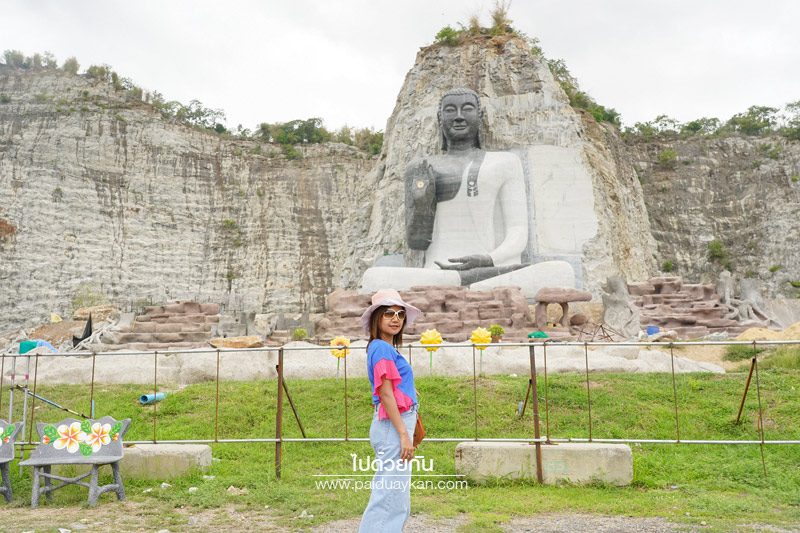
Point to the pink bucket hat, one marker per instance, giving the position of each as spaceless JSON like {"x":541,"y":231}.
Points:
{"x":389,"y":297}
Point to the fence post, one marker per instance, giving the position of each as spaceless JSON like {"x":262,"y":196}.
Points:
{"x":91,"y":390}
{"x":760,"y":411}
{"x":279,"y":416}
{"x":155,"y":392}
{"x":674,"y":394}
{"x":746,"y":388}
{"x":546,"y":392}
{"x":474,"y":393}
{"x":346,"y":425}
{"x":2,"y":382}
{"x":216,"y":403}
{"x":535,"y":392}
{"x":588,"y":391}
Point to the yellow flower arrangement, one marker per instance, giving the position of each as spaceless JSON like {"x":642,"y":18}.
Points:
{"x":480,"y":338}
{"x":431,"y":336}
{"x":342,"y":347}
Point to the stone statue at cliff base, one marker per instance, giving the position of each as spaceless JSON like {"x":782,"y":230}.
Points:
{"x":467,"y":210}
{"x":619,"y":313}
{"x":748,"y":307}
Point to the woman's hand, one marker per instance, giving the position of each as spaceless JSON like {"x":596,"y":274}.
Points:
{"x":406,"y":447}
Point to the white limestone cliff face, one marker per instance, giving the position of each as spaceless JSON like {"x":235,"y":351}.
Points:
{"x":741,"y":191}
{"x":585,"y":201}
{"x":105,"y":196}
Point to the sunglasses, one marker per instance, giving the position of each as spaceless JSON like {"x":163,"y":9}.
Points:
{"x":389,"y":314}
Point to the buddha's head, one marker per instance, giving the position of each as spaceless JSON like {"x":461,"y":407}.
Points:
{"x":460,"y":118}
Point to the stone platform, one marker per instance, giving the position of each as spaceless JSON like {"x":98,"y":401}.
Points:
{"x":453,"y":311}
{"x":569,"y":462}
{"x":691,"y":310}
{"x":180,"y":324}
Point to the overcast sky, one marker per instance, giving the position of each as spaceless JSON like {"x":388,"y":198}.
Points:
{"x":345,"y":60}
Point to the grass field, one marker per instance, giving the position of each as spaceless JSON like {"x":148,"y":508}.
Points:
{"x":721,"y":486}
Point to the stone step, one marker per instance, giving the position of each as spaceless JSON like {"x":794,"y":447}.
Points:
{"x":126,"y":338}
{"x":281,"y":336}
{"x":692,"y":332}
{"x":178,"y":308}
{"x":155,"y":327}
{"x":149,"y":347}
{"x":176,"y":345}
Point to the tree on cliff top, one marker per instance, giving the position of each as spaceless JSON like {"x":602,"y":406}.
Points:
{"x":16,"y":59}
{"x":578,"y":98}
{"x":308,"y":131}
{"x":71,"y":65}
{"x":792,"y":129}
{"x":755,"y":121}
{"x":501,"y":25}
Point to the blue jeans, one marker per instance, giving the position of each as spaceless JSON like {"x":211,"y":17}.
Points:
{"x":390,"y":501}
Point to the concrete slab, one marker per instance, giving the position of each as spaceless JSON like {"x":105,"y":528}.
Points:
{"x":164,"y":461}
{"x":573,"y":462}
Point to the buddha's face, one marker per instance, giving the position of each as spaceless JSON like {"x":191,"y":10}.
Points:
{"x":459,"y":118}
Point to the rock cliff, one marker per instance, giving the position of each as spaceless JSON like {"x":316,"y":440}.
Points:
{"x":103,"y":196}
{"x":742,"y":192}
{"x":585,"y":200}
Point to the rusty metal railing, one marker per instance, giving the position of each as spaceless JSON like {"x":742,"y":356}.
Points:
{"x":29,"y":411}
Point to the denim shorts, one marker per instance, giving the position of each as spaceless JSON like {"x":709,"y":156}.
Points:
{"x":390,"y":501}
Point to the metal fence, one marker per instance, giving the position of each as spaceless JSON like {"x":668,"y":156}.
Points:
{"x":24,"y":374}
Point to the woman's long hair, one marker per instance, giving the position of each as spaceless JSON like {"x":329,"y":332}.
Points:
{"x":374,"y":333}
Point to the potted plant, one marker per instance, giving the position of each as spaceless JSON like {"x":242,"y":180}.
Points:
{"x":496,"y":331}
{"x":299,"y":334}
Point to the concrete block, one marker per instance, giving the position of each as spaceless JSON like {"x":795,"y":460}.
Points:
{"x":495,"y":315}
{"x":145,"y":327}
{"x":168,"y":328}
{"x":209,"y":309}
{"x":174,"y":308}
{"x":197,"y":336}
{"x":192,"y":308}
{"x":572,"y":462}
{"x":168,"y":337}
{"x":164,"y":461}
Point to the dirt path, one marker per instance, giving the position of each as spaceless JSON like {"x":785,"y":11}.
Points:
{"x":163,"y":518}
{"x":708,"y":354}
{"x":537,"y":524}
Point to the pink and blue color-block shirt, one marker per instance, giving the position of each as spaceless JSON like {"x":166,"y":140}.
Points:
{"x":385,"y":362}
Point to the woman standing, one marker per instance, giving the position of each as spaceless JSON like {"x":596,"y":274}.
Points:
{"x":394,"y":400}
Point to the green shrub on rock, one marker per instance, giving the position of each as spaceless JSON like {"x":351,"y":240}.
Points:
{"x":668,"y":158}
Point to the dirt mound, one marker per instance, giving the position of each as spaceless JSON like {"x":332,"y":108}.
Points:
{"x":763,"y":334}
{"x":57,"y":333}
